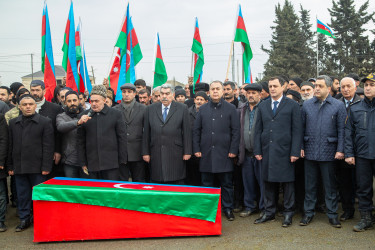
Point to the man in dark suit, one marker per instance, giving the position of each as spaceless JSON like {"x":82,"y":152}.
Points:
{"x":216,"y":138}
{"x":133,"y":113}
{"x":167,"y":138}
{"x":346,"y":172}
{"x":278,"y":132}
{"x":323,"y":119}
{"x":50,"y":110}
{"x":30,"y":161}
{"x":101,"y":138}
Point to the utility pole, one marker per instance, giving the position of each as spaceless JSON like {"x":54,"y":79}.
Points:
{"x":32,"y":67}
{"x":93,"y":76}
{"x":233,"y":66}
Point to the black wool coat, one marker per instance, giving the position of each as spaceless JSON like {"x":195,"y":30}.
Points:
{"x":4,"y":143}
{"x":51,"y":110}
{"x":31,"y":145}
{"x":277,"y":138}
{"x":102,"y":140}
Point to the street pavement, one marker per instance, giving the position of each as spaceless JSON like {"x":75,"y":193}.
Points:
{"x":242,"y":233}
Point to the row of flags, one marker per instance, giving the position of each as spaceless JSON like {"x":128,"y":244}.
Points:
{"x":129,"y":54}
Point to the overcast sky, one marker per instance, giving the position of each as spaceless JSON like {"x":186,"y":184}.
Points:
{"x":20,"y":33}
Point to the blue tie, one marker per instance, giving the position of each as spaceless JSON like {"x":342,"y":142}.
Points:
{"x":275,"y":107}
{"x":165,"y":113}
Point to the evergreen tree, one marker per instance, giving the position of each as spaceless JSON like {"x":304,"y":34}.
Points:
{"x":352,"y":46}
{"x":309,"y":55}
{"x":290,"y":53}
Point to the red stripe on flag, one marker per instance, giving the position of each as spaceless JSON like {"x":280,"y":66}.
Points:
{"x":49,"y":80}
{"x":44,"y":25}
{"x":158,"y":53}
{"x":67,"y":31}
{"x":241,"y":23}
{"x":78,"y":41}
{"x":134,"y":38}
{"x":323,"y":27}
{"x":196,"y":35}
{"x":70,"y":81}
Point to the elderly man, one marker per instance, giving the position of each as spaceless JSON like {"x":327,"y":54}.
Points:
{"x":251,"y":167}
{"x":133,"y":114}
{"x":30,"y":161}
{"x":101,"y":138}
{"x":167,"y":138}
{"x":155,"y":96}
{"x":322,"y":147}
{"x":307,"y":90}
{"x":360,"y":150}
{"x":216,"y":138}
{"x":346,"y":172}
{"x":278,"y":135}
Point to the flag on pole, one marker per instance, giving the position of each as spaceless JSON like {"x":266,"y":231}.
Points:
{"x":69,"y":62}
{"x":324,"y":29}
{"x":80,"y":70}
{"x":197,"y":49}
{"x":131,"y":54}
{"x":241,"y":36}
{"x":160,"y":73}
{"x":84,"y":72}
{"x":115,"y":71}
{"x":48,"y":65}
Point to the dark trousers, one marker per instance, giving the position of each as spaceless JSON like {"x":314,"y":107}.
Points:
{"x":226,"y":184}
{"x":3,"y":199}
{"x":271,"y":189}
{"x":193,"y":175}
{"x":24,"y":185}
{"x":365,"y":170}
{"x":346,"y":182}
{"x":109,"y":174}
{"x":178,"y":182}
{"x":327,"y":170}
{"x":137,"y":170}
{"x":299,"y":184}
{"x":253,"y":183}
{"x":238,"y":187}
{"x":74,"y":171}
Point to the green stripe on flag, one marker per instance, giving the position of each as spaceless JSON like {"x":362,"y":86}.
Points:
{"x":241,"y":36}
{"x":197,"y":48}
{"x":43,"y":51}
{"x":121,"y":41}
{"x":160,"y":76}
{"x":137,"y":54}
{"x":325,"y":32}
{"x":192,"y":205}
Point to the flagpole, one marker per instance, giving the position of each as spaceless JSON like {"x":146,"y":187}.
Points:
{"x":317,"y":49}
{"x":83,"y":54}
{"x":232,"y":44}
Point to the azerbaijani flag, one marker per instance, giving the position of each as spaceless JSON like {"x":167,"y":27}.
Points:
{"x":79,"y":59}
{"x":160,"y":73}
{"x":69,"y":62}
{"x":131,"y":54}
{"x":197,"y":49}
{"x":241,"y":36}
{"x":115,"y":71}
{"x":83,"y":68}
{"x":324,"y":29}
{"x":48,"y":65}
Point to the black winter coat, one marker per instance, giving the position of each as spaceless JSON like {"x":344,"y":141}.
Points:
{"x":31,"y":144}
{"x":4,"y":143}
{"x":102,"y":140}
{"x":51,"y":110}
{"x":216,"y":134}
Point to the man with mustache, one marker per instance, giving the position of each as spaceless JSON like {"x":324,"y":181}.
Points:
{"x":67,"y":124}
{"x":167,"y":138}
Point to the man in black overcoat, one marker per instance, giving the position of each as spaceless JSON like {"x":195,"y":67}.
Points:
{"x":278,"y":137}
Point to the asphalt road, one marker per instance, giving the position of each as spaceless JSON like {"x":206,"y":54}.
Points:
{"x":239,"y":234}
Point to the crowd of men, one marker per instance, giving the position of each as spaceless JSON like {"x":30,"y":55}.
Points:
{"x":313,"y":141}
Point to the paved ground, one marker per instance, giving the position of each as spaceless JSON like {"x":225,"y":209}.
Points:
{"x":239,"y":234}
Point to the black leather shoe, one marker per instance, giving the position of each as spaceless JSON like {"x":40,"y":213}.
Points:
{"x":306,"y":220}
{"x":264,"y":218}
{"x":23,"y":225}
{"x":347,"y":215}
{"x":335,"y":223}
{"x":229,"y":214}
{"x":3,"y":228}
{"x":248,"y":212}
{"x":287,"y":221}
